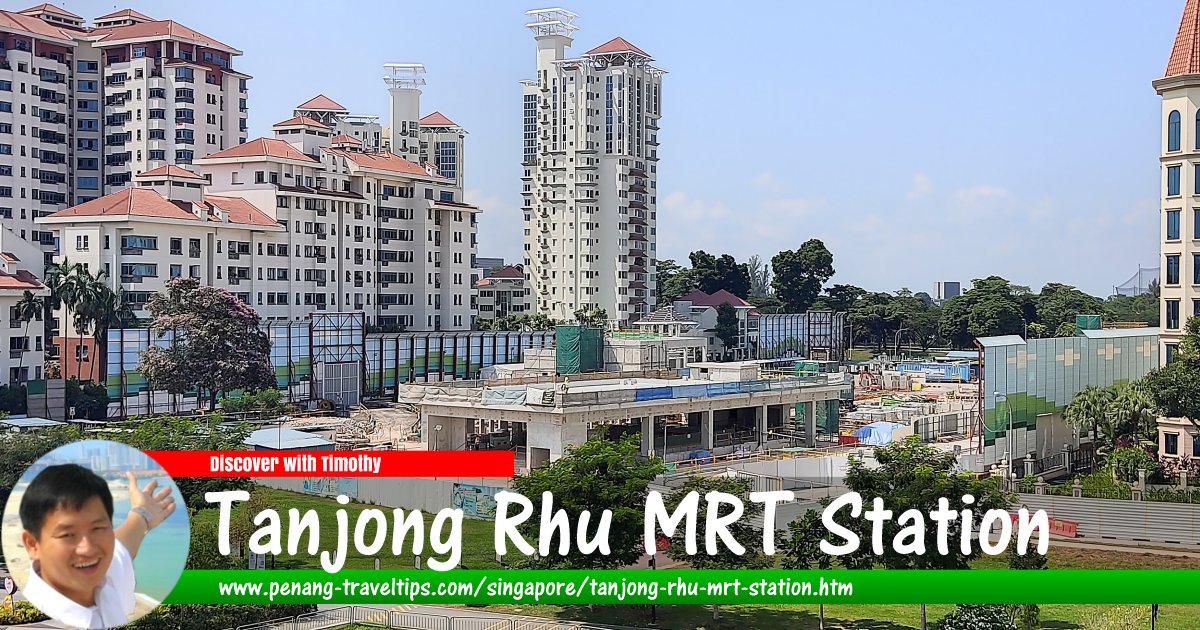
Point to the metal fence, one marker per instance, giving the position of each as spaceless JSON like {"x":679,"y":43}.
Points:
{"x":1117,"y":519}
{"x":404,"y":617}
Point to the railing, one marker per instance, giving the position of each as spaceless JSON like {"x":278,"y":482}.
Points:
{"x":403,"y":616}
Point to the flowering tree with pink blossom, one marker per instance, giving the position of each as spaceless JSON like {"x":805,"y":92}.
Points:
{"x":216,"y":343}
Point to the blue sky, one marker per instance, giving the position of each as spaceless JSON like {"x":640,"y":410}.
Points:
{"x":921,"y":141}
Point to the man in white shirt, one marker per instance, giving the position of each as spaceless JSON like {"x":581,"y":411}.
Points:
{"x":82,"y":572}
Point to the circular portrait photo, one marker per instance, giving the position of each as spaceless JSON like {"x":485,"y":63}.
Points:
{"x":95,"y":534}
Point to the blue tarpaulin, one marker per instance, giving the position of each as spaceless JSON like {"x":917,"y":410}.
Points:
{"x":876,"y":433}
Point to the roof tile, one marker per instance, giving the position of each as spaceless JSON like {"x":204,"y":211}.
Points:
{"x":263,"y":147}
{"x":321,"y":101}
{"x":134,"y":202}
{"x":1185,"y":54}
{"x":616,"y":45}
{"x":437,"y":119}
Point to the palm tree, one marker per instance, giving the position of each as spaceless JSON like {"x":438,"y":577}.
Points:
{"x":1089,"y":407}
{"x":29,"y":308}
{"x":112,"y":311}
{"x":87,"y":290}
{"x":60,"y":279}
{"x":1134,"y":412}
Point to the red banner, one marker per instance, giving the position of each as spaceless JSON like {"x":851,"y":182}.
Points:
{"x":335,"y":463}
{"x":1058,"y":526}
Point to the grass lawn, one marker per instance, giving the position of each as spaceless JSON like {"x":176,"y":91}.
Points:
{"x":478,"y":553}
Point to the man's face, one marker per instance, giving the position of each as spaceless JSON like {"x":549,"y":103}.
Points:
{"x":75,"y":549}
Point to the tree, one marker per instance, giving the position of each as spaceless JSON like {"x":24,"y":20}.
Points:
{"x":993,"y":306}
{"x":727,"y":326}
{"x":1134,"y":413}
{"x":801,"y":274}
{"x":909,"y":475}
{"x":595,"y":476}
{"x":89,"y":399}
{"x":28,"y":308}
{"x":712,"y":273}
{"x":1058,"y":304}
{"x":591,"y":318}
{"x":760,"y":275}
{"x":87,"y":290}
{"x":742,"y":530}
{"x":108,"y":310}
{"x":263,"y":404}
{"x":217,"y":344}
{"x":768,"y":304}
{"x":994,"y":316}
{"x":1176,"y":390}
{"x":841,"y":297}
{"x":673,"y":281}
{"x":1088,"y":409}
{"x":1065,"y":329}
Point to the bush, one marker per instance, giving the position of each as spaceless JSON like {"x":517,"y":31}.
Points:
{"x":976,"y":617}
{"x":24,"y":613}
{"x":89,"y":399}
{"x":12,"y":399}
{"x":214,"y":616}
{"x":1127,"y":462}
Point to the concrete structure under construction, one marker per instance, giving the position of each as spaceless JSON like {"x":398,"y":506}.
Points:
{"x":712,"y":408}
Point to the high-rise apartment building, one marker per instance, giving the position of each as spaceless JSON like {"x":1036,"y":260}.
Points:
{"x":1179,"y":220}
{"x":306,"y":221}
{"x":590,"y":174}
{"x":85,"y":108}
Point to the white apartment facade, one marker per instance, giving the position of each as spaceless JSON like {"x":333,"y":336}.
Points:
{"x":501,"y":294}
{"x":1179,"y":219}
{"x":590,"y":175}
{"x":292,"y":225}
{"x":22,"y":343}
{"x":84,"y":108}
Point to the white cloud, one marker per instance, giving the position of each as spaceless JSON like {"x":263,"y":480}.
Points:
{"x":921,"y":186}
{"x":968,"y":197}
{"x":765,"y":179}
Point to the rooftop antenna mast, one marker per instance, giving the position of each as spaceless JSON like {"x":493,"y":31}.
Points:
{"x":553,"y":21}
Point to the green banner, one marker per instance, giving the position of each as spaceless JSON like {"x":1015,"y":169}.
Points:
{"x":629,"y":586}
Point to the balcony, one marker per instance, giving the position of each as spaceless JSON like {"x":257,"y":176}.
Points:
{"x":185,"y":120}
{"x":185,"y":99}
{"x":53,"y":118}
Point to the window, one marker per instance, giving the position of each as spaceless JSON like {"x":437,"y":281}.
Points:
{"x":88,"y":86}
{"x":176,"y":247}
{"x":89,"y":183}
{"x":184,"y":74}
{"x":1172,"y":314}
{"x":89,"y":124}
{"x":1173,"y":180}
{"x":176,"y":271}
{"x":87,"y":105}
{"x":1195,"y":308}
{"x":1172,"y":352}
{"x":1195,"y":268}
{"x":1171,"y":443}
{"x":81,"y":353}
{"x":1172,"y":269}
{"x":1173,"y":131}
{"x":5,"y":106}
{"x":81,"y":242}
{"x":139,"y":242}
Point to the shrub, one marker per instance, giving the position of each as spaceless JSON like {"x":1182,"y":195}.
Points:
{"x":1128,"y":461}
{"x":24,"y":613}
{"x":977,"y":617}
{"x":213,"y":616}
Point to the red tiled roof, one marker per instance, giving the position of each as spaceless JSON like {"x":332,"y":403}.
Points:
{"x":321,"y":101}
{"x":616,"y":45}
{"x":171,"y":170}
{"x":157,"y":30}
{"x":263,"y":147}
{"x":124,"y":13}
{"x":1185,"y":54}
{"x":382,"y":161}
{"x":25,"y":23}
{"x":134,"y":202}
{"x":301,"y":120}
{"x":342,"y":138}
{"x":9,"y":257}
{"x":700,"y":298}
{"x":436,"y":119}
{"x":483,"y":282}
{"x":22,"y":280}
{"x":240,"y":210}
{"x":50,"y":8}
{"x":510,"y":271}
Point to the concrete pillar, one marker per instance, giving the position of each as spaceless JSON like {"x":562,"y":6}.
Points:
{"x":760,"y":421}
{"x":706,"y":430}
{"x":810,"y":424}
{"x":648,"y":436}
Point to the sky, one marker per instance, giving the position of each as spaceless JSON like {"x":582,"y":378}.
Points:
{"x":921,"y":141}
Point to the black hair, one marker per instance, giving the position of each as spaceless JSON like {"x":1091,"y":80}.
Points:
{"x":65,"y":486}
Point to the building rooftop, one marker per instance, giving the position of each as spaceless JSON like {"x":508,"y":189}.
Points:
{"x":301,"y":121}
{"x":616,"y":45}
{"x":342,"y":138}
{"x":50,"y":8}
{"x":436,"y":119}
{"x":284,"y":439}
{"x":20,"y":281}
{"x":124,"y":13}
{"x":160,"y":29}
{"x":322,"y":102}
{"x":1185,"y":54}
{"x":262,"y":147}
{"x":27,"y":422}
{"x":171,"y":170}
{"x":130,"y":202}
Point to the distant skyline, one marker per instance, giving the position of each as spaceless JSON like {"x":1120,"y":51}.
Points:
{"x":920,"y":141}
